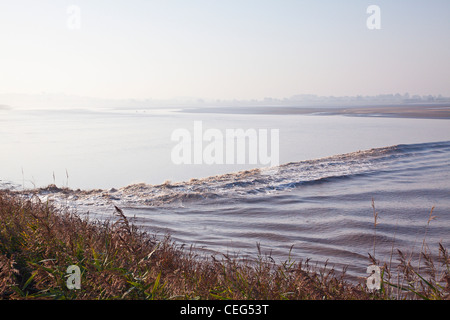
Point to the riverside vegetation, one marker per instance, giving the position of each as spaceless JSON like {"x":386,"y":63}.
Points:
{"x":38,"y":241}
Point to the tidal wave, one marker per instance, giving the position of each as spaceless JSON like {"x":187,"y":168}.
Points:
{"x":261,"y":181}
{"x":318,"y":209}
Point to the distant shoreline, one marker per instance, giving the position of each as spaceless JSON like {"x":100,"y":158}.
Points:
{"x":415,"y":111}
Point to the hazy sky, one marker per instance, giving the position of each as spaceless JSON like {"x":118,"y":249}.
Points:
{"x":227,"y":49}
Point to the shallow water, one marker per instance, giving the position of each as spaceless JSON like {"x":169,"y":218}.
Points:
{"x":318,"y":203}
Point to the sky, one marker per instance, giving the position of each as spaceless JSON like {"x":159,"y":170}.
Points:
{"x":227,"y":49}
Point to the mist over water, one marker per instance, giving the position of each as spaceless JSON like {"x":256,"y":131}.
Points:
{"x":318,"y":202}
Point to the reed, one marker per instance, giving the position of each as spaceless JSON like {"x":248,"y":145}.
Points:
{"x":120,"y":261}
{"x":412,"y":281}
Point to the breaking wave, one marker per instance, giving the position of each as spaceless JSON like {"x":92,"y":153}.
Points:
{"x":257,"y":181}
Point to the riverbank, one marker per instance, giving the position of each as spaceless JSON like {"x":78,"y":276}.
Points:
{"x":435,"y":111}
{"x":117,"y":260}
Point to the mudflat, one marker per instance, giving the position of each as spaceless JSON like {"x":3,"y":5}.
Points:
{"x":403,"y":111}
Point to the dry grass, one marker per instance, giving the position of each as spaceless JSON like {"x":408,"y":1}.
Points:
{"x":119,"y":261}
{"x":409,"y":280}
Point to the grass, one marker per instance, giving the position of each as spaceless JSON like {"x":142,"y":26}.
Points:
{"x":117,"y":260}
